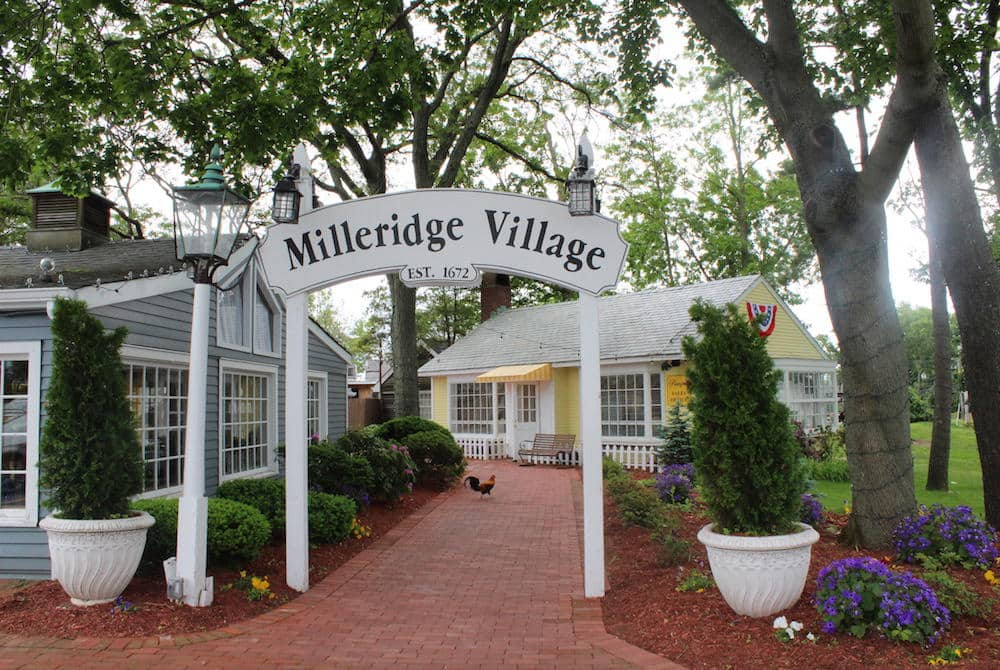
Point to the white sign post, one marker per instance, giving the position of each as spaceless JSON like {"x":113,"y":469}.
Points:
{"x":445,"y":237}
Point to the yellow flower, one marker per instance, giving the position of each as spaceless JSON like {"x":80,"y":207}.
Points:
{"x":700,"y":591}
{"x":991,"y":577}
{"x":243,"y":573}
{"x":260,"y":584}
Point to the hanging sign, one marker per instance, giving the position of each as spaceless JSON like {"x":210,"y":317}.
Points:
{"x":678,"y":390}
{"x":764,"y":316}
{"x":444,"y":237}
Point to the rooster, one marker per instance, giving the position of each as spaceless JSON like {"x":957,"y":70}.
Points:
{"x":485,"y":487}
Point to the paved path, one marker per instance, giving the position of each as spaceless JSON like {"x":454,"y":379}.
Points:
{"x":462,"y":583}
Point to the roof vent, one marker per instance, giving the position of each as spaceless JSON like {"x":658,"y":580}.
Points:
{"x":61,"y":222}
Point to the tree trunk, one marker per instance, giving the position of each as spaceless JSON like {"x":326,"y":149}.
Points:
{"x":937,"y":465}
{"x":955,"y":228}
{"x":406,"y":401}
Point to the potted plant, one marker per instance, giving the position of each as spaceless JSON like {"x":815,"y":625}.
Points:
{"x":747,"y":464}
{"x":91,"y":461}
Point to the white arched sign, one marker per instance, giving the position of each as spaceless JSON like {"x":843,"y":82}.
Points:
{"x":440,"y":237}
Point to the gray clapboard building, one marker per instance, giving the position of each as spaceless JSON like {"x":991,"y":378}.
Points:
{"x":139,"y":284}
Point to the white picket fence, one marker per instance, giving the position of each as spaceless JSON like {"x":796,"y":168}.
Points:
{"x":632,"y":454}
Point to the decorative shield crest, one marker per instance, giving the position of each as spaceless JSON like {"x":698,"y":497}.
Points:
{"x":764,"y":316}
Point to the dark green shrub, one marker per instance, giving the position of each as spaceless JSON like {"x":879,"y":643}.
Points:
{"x":670,"y":549}
{"x":747,"y":460}
{"x":265,"y":495}
{"x":236,"y":532}
{"x":402,"y":426}
{"x":438,"y":457}
{"x":330,"y":517}
{"x":393,"y":469}
{"x":920,"y":407}
{"x":619,"y":486}
{"x":640,"y":506}
{"x":333,"y":470}
{"x":91,"y":459}
{"x":676,"y":435}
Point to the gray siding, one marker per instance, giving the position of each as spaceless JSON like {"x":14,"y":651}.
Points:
{"x":24,"y":552}
{"x":322,"y":359}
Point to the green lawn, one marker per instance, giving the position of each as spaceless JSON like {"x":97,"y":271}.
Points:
{"x":964,"y":473}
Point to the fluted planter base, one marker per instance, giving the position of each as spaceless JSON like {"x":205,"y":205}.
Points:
{"x":95,"y":559}
{"x":759,"y":576}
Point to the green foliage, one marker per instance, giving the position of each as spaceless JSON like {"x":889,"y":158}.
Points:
{"x":438,"y":457}
{"x":695,"y":580}
{"x":333,"y":470}
{"x":236,"y":532}
{"x":330,"y":517}
{"x":640,"y":506}
{"x":676,"y":444}
{"x":956,"y":596}
{"x":744,"y":452}
{"x":91,"y":459}
{"x":670,"y":550}
{"x":920,"y":406}
{"x":265,"y":495}
{"x":826,"y":471}
{"x":401,"y":426}
{"x":394,"y":471}
{"x":612,"y":469}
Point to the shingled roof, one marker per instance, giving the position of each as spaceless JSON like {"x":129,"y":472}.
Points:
{"x":109,"y":262}
{"x":642,"y":325}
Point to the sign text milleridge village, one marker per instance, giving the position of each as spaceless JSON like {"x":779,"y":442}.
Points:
{"x":444,"y":236}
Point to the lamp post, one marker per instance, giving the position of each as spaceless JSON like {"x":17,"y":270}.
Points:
{"x":580,"y":186}
{"x":208,"y":218}
{"x":285,"y":205}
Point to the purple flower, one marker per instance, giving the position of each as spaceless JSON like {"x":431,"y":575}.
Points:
{"x":811,"y":511}
{"x":673,"y":487}
{"x":944,"y":532}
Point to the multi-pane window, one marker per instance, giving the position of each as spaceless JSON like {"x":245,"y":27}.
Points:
{"x":14,"y":435}
{"x":158,"y":395}
{"x":811,"y":397}
{"x":313,"y":409}
{"x":247,"y":317}
{"x":246,"y":417}
{"x":527,"y":403}
{"x":501,"y":409}
{"x":623,"y":408}
{"x":655,"y":399}
{"x":426,"y":410}
{"x":471,"y":408}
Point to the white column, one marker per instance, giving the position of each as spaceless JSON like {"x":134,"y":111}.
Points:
{"x":590,"y":439}
{"x":296,"y":471}
{"x":192,"y":512}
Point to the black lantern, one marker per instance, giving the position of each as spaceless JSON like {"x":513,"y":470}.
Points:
{"x":580,"y":185}
{"x":208,"y":218}
{"x":285,"y":206}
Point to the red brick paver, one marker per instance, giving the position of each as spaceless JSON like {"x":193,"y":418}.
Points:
{"x":465,"y":582}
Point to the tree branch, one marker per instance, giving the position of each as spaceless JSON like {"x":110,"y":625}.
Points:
{"x":513,"y":153}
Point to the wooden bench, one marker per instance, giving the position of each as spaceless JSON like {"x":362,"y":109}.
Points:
{"x":547,"y":444}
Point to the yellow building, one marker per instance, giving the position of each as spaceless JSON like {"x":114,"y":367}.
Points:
{"x":517,"y":374}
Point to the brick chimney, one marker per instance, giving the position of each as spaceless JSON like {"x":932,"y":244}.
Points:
{"x":60,"y":222}
{"x":493,"y":294}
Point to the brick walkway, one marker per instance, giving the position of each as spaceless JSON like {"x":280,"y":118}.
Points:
{"x":462,"y":583}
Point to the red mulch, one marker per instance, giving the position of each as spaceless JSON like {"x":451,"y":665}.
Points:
{"x":698,"y":630}
{"x":42,"y":609}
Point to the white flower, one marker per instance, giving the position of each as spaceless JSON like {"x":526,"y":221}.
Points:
{"x":795,"y":625}
{"x":781,"y":622}
{"x":810,"y":637}
{"x":790,"y":633}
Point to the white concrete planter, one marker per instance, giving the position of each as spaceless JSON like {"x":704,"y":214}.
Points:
{"x":759,"y":576}
{"x":95,"y":559}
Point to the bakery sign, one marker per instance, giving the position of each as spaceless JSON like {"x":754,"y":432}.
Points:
{"x":444,"y":237}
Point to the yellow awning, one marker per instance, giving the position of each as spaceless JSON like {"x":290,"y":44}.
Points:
{"x":539,"y":372}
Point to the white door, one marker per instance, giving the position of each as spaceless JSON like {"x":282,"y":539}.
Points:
{"x":525,"y":413}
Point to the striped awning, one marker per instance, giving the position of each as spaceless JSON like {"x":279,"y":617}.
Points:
{"x":538,"y":372}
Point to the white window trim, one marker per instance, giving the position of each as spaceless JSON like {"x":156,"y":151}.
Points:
{"x":33,"y":350}
{"x":252,"y":280}
{"x":324,"y":394}
{"x":144,"y":356}
{"x":647,"y":370}
{"x":235,"y":366}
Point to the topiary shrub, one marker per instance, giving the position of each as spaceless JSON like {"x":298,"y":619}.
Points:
{"x":91,"y":459}
{"x":236,"y":532}
{"x":333,"y":470}
{"x":394,"y":470}
{"x":746,"y":458}
{"x":438,"y":457}
{"x":330,"y":517}
{"x":402,"y":426}
{"x":676,"y":435}
{"x":265,"y":495}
